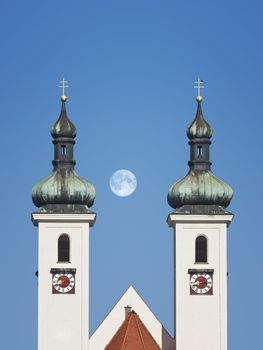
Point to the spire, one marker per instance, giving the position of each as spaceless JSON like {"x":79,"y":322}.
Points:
{"x":63,"y":127}
{"x":200,"y":191}
{"x":199,"y":134}
{"x":63,"y":190}
{"x":63,"y":133}
{"x":199,"y":128}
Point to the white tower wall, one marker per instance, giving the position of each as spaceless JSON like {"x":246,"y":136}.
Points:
{"x":63,"y":318}
{"x":200,"y":320}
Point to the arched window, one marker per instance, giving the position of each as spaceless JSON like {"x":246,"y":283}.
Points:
{"x":63,"y":248}
{"x":201,"y":249}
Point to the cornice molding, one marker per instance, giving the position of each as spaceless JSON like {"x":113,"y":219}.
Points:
{"x":84,"y":218}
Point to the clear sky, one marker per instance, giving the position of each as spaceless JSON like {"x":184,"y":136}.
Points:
{"x":131,"y":67}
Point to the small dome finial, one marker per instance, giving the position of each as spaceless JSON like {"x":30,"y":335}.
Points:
{"x":199,"y":86}
{"x":199,"y":128}
{"x":63,"y":84}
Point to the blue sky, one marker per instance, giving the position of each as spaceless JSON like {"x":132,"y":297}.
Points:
{"x":131,"y":67}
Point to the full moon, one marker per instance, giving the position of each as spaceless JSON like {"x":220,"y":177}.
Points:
{"x":123,"y":183}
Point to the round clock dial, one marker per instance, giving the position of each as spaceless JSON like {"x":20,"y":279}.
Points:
{"x":63,"y":283}
{"x":201,"y":283}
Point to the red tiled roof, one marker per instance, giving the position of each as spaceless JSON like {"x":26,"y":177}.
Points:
{"x":132,"y":335}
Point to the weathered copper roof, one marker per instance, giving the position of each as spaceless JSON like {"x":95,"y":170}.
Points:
{"x":199,"y":128}
{"x":132,"y":335}
{"x":200,"y":187}
{"x":63,"y":191}
{"x":63,"y":187}
{"x":63,"y":127}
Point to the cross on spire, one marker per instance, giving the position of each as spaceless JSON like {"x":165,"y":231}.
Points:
{"x":63,"y":84}
{"x":199,"y":86}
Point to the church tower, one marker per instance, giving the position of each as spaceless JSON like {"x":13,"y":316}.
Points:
{"x":200,"y":222}
{"x":63,"y":220}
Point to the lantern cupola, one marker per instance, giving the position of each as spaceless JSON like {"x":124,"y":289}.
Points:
{"x":63,"y":191}
{"x":200,"y":191}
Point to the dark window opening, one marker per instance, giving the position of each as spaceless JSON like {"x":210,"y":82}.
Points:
{"x":63,"y":150}
{"x":199,"y":151}
{"x":63,"y":248}
{"x":201,"y":249}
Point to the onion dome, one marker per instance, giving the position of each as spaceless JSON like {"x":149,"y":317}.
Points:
{"x":63,"y":191}
{"x":199,"y":127}
{"x":200,"y":188}
{"x":200,"y":191}
{"x":63,"y":126}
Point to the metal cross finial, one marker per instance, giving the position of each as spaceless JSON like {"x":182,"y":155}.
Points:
{"x":63,"y":84}
{"x":199,"y":86}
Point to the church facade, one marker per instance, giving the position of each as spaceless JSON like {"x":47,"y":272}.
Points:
{"x":199,"y":222}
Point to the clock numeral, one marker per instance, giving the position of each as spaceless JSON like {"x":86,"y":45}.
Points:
{"x":63,"y":283}
{"x":201,"y":282}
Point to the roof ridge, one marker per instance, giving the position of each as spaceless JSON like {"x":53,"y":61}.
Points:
{"x":125,"y":335}
{"x":150,"y":334}
{"x":123,"y":324}
{"x":132,"y":335}
{"x":143,"y":344}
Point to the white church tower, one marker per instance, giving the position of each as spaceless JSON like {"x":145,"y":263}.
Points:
{"x":63,"y":220}
{"x":200,"y":222}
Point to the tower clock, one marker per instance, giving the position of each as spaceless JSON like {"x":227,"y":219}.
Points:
{"x":63,"y":281}
{"x":201,"y":282}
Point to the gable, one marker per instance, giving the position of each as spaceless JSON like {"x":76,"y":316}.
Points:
{"x":132,"y":335}
{"x":110,"y":325}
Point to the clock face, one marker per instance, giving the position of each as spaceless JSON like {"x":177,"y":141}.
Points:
{"x":63,"y":282}
{"x":201,"y":283}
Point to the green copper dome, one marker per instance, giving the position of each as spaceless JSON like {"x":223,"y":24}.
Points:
{"x":63,"y":191}
{"x":63,"y":127}
{"x":200,"y":191}
{"x":63,"y":187}
{"x":200,"y":188}
{"x":199,"y":127}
